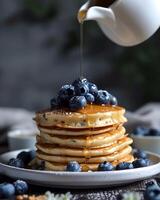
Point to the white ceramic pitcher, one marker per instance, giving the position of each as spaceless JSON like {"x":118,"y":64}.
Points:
{"x":126,"y":22}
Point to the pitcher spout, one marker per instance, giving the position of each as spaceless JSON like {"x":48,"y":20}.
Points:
{"x":97,"y":13}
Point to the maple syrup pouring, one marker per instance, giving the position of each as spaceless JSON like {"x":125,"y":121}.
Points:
{"x":81,"y":49}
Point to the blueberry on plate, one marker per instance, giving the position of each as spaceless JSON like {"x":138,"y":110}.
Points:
{"x":90,"y":98}
{"x":21,"y":187}
{"x":141,"y":163}
{"x":141,"y":131}
{"x":16,"y":162}
{"x":140,"y":154}
{"x":24,"y":156}
{"x":81,"y":89}
{"x":7,"y":190}
{"x":93,"y":89}
{"x":103,"y":97}
{"x":113,"y":101}
{"x":124,"y":165}
{"x":77,"y":102}
{"x":154,"y":132}
{"x":105,"y":166}
{"x":73,"y":166}
{"x":152,"y":193}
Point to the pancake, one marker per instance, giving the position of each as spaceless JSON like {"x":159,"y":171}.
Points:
{"x":65,"y":159}
{"x":50,"y":166}
{"x":78,"y":132}
{"x":89,"y":136}
{"x":62,"y":151}
{"x":84,"y":141}
{"x":92,"y":116}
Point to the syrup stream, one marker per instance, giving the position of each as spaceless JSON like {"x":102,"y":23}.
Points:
{"x":81,"y":49}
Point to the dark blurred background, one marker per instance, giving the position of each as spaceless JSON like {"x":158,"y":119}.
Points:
{"x":39,"y":51}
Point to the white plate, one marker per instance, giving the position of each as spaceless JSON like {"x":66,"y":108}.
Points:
{"x":79,"y":179}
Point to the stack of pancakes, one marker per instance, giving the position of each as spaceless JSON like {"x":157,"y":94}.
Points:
{"x":89,"y":136}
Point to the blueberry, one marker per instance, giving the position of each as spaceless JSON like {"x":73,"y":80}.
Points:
{"x":16,"y":162}
{"x":141,"y":131}
{"x":140,"y":154}
{"x":113,"y":101}
{"x":66,"y":92}
{"x":79,"y":81}
{"x":21,"y":187}
{"x":77,"y":102}
{"x":24,"y":156}
{"x":141,"y":163}
{"x":73,"y":166}
{"x":7,"y":190}
{"x":105,"y":166}
{"x":154,"y":132}
{"x":81,"y":89}
{"x":54,"y":103}
{"x":90,"y":98}
{"x":102,"y":97}
{"x":124,"y":165}
{"x":93,"y":89}
{"x":150,"y":183}
{"x":152,"y":193}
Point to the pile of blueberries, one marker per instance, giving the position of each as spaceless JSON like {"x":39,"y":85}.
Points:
{"x":143,"y":131}
{"x":8,"y":190}
{"x":79,"y":94}
{"x":141,"y":161}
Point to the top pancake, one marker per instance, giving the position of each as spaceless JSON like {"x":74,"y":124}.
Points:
{"x":92,"y":116}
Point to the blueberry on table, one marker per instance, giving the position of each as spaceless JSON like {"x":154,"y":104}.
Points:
{"x":141,"y":131}
{"x":73,"y":166}
{"x":77,"y":102}
{"x":21,"y":187}
{"x":93,"y":89}
{"x":140,"y":154}
{"x":7,"y":190}
{"x":141,"y":163}
{"x":152,"y":193}
{"x":124,"y":166}
{"x":16,"y":162}
{"x":113,"y":101}
{"x":105,"y":166}
{"x":154,"y":132}
{"x":103,"y":97}
{"x":90,"y":98}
